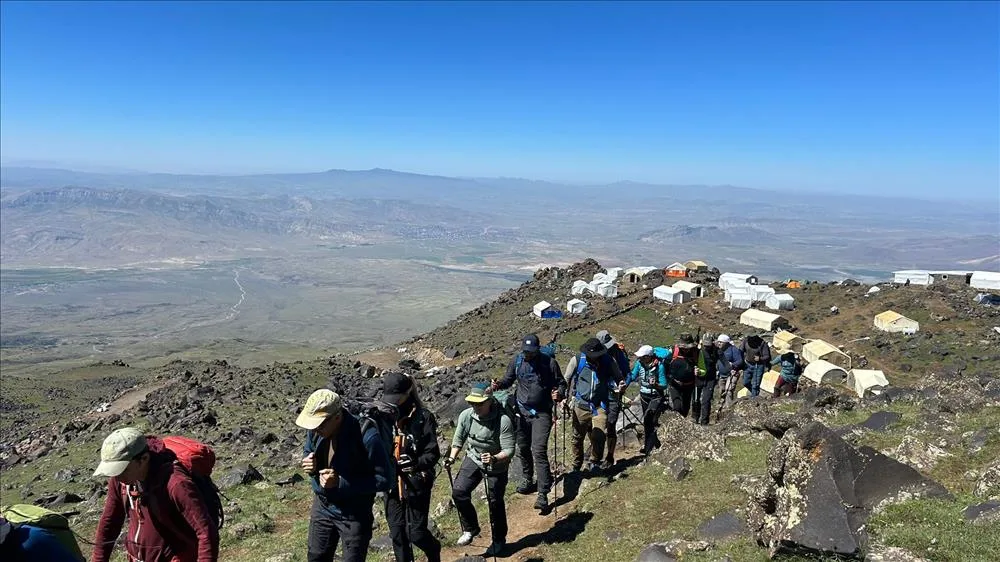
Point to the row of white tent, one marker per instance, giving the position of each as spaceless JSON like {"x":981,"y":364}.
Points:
{"x":989,"y":280}
{"x":827,"y":364}
{"x":865,"y":382}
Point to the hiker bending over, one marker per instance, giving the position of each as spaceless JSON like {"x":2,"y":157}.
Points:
{"x":707,"y":375}
{"x":757,"y":355}
{"x":28,"y":543}
{"x":346,"y":468}
{"x":729,"y":367}
{"x":617,"y":353}
{"x":487,"y":434}
{"x":651,"y":373}
{"x":791,"y":369}
{"x":539,"y":387}
{"x":168,"y":518}
{"x":682,"y":374}
{"x":416,"y":452}
{"x":590,"y":376}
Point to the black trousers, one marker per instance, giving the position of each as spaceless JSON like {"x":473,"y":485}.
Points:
{"x":408,"y":527}
{"x":327,"y":529}
{"x":533,"y":448}
{"x":701,"y":403}
{"x":680,"y":398}
{"x":614,"y":410}
{"x":468,"y":477}
{"x":652,"y":406}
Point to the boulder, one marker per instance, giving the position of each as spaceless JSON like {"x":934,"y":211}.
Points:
{"x":295,"y":478}
{"x":759,"y":415}
{"x":679,"y":437}
{"x":240,"y":475}
{"x":679,"y":468}
{"x":721,"y":527}
{"x":451,"y":353}
{"x":988,"y":485}
{"x":984,"y":513}
{"x":822,"y":491}
{"x":670,"y":551}
{"x":880,"y":421}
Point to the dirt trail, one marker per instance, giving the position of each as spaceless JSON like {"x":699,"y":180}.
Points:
{"x":127,"y":400}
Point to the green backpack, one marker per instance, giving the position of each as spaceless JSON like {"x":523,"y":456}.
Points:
{"x":508,"y":402}
{"x":55,"y":523}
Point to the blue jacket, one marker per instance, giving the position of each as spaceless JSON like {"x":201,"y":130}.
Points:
{"x":789,"y":369}
{"x":731,"y":359}
{"x":361,"y":462}
{"x":34,"y":544}
{"x":652,"y":380}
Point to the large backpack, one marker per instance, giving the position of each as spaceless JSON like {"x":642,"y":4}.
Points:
{"x":508,"y":401}
{"x":198,"y":460}
{"x":376,"y":413}
{"x":55,"y":523}
{"x":547,"y":350}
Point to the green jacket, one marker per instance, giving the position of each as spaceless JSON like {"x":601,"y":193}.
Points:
{"x":492,"y":434}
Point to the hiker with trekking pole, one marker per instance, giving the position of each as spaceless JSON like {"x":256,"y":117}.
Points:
{"x":416,"y":452}
{"x":486,"y":432}
{"x":650,"y":371}
{"x":540,"y":387}
{"x":729,"y":369}
{"x":591,"y":377}
{"x":618,"y":354}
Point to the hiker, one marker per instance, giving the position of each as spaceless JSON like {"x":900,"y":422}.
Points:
{"x":682,"y":375}
{"x":757,"y":357}
{"x":791,"y":370}
{"x":28,"y":543}
{"x":707,"y":376}
{"x":617,"y":353}
{"x":168,"y":518}
{"x":416,"y":452}
{"x":539,"y":386}
{"x":651,"y":373}
{"x":590,"y":376}
{"x":487,"y":434}
{"x":729,"y":367}
{"x":346,"y":469}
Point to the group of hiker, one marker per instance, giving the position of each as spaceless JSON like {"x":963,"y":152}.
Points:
{"x":161,"y":487}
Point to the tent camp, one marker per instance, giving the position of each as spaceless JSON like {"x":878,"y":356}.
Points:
{"x":895,"y":323}
{"x":540,"y":308}
{"x":579,"y":287}
{"x":762,"y":320}
{"x":759,"y":293}
{"x":989,"y":280}
{"x":575,"y":306}
{"x":676,"y":269}
{"x":785,"y":341}
{"x":739,"y":298}
{"x":824,"y":372}
{"x":867,"y":382}
{"x":912,"y":277}
{"x":635,"y":274}
{"x":671,"y":295}
{"x":696,"y":265}
{"x":727,"y":279}
{"x":819,"y":350}
{"x":780,"y":302}
{"x":607,"y":290}
{"x":695,"y":290}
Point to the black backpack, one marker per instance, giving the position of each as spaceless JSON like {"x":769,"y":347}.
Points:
{"x":382,"y":415}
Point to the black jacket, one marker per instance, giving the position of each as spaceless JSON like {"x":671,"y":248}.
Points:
{"x":421,"y":443}
{"x":536,"y":379}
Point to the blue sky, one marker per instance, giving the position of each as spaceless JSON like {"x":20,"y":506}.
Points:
{"x":897,"y":97}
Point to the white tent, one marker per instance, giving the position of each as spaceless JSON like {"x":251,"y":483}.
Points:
{"x":695,"y":290}
{"x":579,"y":287}
{"x":785,"y":341}
{"x":913,"y":276}
{"x":819,"y":350}
{"x":741,"y":289}
{"x":741,"y":302}
{"x":872,"y":291}
{"x":601,"y":278}
{"x":824,"y":372}
{"x":671,"y":295}
{"x":614,"y":272}
{"x":607,"y":290}
{"x":575,"y":306}
{"x":769,"y":381}
{"x":762,"y":320}
{"x":895,"y":323}
{"x":780,"y":302}
{"x":759,"y":293}
{"x":635,"y":274}
{"x":541,"y":307}
{"x":985,"y":280}
{"x":728,"y":278}
{"x":867,"y":383}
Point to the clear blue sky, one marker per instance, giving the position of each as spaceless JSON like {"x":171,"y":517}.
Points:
{"x":895,"y":96}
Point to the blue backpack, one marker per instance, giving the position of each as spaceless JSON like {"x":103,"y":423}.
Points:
{"x":547,"y":350}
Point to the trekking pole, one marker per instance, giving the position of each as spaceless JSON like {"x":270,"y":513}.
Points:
{"x":489,"y":509}
{"x":555,"y":461}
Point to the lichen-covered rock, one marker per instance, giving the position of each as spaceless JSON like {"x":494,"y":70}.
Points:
{"x":988,"y":485}
{"x":680,"y":437}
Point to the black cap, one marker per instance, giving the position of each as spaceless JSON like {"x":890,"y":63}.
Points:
{"x":395,"y":387}
{"x":686,"y":340}
{"x":529,"y":343}
{"x":593,"y":348}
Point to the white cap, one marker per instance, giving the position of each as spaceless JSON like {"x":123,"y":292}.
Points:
{"x":723,"y":338}
{"x":644,"y":351}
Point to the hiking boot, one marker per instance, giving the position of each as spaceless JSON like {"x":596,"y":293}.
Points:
{"x":592,"y":468}
{"x":607,"y":465}
{"x":577,"y":467}
{"x":527,"y":488}
{"x":496,"y":549}
{"x":542,"y":503}
{"x":466,"y":538}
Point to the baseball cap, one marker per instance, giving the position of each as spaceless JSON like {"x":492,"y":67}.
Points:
{"x":320,"y":405}
{"x":395,"y":386}
{"x":686,"y":340}
{"x":593,"y":348}
{"x":479,"y":393}
{"x":644,"y":351}
{"x":606,"y":339}
{"x":119,"y":449}
{"x":723,"y":338}
{"x":529,"y":343}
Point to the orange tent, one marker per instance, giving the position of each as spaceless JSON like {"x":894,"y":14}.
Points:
{"x":793,"y":285}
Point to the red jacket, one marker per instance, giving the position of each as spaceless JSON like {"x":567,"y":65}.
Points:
{"x":167,"y":521}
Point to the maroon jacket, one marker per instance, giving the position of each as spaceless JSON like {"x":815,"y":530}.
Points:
{"x":172,"y":523}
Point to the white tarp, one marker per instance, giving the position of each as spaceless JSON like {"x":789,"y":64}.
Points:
{"x":780,"y":302}
{"x":759,"y":293}
{"x":867,"y":382}
{"x":819,"y":350}
{"x":541,"y":307}
{"x":872,"y":291}
{"x":728,"y":278}
{"x":761,"y":320}
{"x":913,"y":276}
{"x":824,"y":372}
{"x":601,"y":278}
{"x":740,"y":302}
{"x":671,"y":295}
{"x":575,"y":306}
{"x":579,"y":287}
{"x":985,"y":280}
{"x":695,"y":290}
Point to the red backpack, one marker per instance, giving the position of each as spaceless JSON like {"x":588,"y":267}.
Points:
{"x":198,"y":460}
